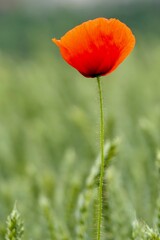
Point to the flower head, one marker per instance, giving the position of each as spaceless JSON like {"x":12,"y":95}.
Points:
{"x":96,"y":47}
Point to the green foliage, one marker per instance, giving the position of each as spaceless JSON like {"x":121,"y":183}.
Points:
{"x":15,"y":228}
{"x":86,"y":197}
{"x":143,"y":232}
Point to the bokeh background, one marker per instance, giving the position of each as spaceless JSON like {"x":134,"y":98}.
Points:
{"x":49,"y":113}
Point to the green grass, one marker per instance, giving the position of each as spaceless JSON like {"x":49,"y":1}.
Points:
{"x":49,"y":142}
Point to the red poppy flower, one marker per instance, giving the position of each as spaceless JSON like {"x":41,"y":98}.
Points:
{"x":96,"y":47}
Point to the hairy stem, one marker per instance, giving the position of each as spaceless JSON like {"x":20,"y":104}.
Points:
{"x":100,"y":190}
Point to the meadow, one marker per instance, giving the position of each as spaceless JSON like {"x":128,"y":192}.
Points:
{"x":49,"y":144}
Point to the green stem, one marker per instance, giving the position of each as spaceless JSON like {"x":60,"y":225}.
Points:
{"x":100,"y":190}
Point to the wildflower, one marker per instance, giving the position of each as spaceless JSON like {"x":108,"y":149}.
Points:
{"x":96,"y":47}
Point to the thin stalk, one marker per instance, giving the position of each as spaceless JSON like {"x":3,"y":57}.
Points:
{"x":100,"y":190}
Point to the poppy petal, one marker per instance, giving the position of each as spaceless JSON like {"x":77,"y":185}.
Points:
{"x":96,"y":47}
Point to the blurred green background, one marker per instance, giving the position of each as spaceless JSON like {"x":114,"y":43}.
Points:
{"x":49,"y":120}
